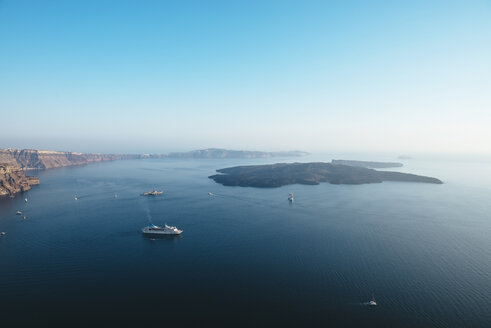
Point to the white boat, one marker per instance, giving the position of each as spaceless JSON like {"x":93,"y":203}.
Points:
{"x":290,"y":197}
{"x":25,"y":199}
{"x":156,"y":230}
{"x":372,"y":302}
{"x":19,"y":213}
{"x":76,"y":198}
{"x":2,"y":233}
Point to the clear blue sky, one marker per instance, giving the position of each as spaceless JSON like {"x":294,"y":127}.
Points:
{"x":154,"y":76}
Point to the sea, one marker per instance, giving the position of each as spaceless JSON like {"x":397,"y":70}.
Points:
{"x":247,"y":256}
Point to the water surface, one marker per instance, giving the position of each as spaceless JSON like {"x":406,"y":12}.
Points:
{"x":247,"y":257}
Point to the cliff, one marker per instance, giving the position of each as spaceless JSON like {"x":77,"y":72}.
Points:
{"x":46,"y":159}
{"x":13,"y":180}
{"x":277,"y":175}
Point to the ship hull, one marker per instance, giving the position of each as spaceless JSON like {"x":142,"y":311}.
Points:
{"x":161,"y":233}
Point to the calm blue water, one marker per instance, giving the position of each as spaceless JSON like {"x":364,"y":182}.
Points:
{"x":247,"y":257}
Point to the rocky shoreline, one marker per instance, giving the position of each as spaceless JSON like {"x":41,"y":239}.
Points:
{"x":13,"y":180}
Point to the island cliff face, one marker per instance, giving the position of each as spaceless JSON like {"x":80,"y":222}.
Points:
{"x":277,"y":175}
{"x":13,"y":180}
{"x":47,"y":159}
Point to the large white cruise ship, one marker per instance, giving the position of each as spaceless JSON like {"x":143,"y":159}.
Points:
{"x":156,"y":230}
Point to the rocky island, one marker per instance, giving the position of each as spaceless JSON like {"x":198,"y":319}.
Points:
{"x":277,"y":175}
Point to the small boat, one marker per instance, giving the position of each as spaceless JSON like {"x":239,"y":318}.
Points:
{"x":211,"y":194}
{"x":2,"y":233}
{"x":24,"y":217}
{"x":290,"y":197}
{"x":156,"y":230}
{"x":372,"y":302}
{"x":152,"y":193}
{"x":76,"y":198}
{"x":25,"y":199}
{"x":19,"y":213}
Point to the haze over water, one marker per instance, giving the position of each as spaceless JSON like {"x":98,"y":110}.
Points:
{"x":247,"y":256}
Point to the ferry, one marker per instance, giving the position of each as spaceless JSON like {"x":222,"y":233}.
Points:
{"x":156,"y":230}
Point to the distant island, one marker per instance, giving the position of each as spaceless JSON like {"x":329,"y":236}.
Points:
{"x":369,"y":165}
{"x":277,"y":175}
{"x":225,"y":153}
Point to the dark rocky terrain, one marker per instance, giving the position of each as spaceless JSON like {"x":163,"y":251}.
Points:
{"x":277,"y":175}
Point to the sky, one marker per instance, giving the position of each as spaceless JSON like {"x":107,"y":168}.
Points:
{"x":158,"y":76}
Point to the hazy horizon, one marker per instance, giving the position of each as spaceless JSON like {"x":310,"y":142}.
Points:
{"x":156,"y":77}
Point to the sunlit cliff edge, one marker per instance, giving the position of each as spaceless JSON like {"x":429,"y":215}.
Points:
{"x":14,"y":180}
